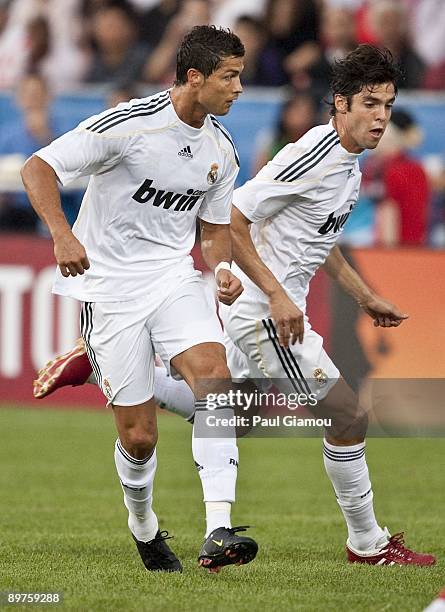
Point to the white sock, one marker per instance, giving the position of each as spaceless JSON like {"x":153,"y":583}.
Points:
{"x":136,"y":476}
{"x":438,"y":604}
{"x":347,"y":469}
{"x":216,"y":460}
{"x":145,"y":528}
{"x":173,"y":395}
{"x":217,"y":515}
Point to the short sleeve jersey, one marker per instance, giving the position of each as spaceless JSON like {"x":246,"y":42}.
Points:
{"x":151,"y":176}
{"x":298,"y":204}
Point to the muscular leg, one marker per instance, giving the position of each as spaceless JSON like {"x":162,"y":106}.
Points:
{"x":135,"y":458}
{"x":204,"y":368}
{"x":344,"y":448}
{"x":345,"y":464}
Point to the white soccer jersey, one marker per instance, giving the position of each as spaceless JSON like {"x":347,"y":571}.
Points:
{"x":152,"y":175}
{"x":299,"y":203}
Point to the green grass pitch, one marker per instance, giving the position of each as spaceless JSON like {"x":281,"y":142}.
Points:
{"x":63,"y":523}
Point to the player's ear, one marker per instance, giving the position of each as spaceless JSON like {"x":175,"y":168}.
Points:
{"x":194,"y":77}
{"x":341,"y":103}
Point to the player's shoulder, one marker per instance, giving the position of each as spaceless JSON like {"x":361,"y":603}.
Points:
{"x":305,"y":156}
{"x":223,"y":138}
{"x":131,"y":117}
{"x":317,"y":138}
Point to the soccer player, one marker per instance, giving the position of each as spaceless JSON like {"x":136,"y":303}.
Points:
{"x":156,"y":165}
{"x":285,"y":225}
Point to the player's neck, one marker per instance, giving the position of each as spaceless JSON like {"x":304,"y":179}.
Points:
{"x":187,"y":108}
{"x":346,"y":141}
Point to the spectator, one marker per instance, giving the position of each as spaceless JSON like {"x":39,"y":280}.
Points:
{"x":291,"y":23}
{"x":261,"y":66}
{"x":154,"y":21}
{"x":435,"y":167}
{"x":428,"y":30}
{"x":338,"y":35}
{"x":47,"y":40}
{"x":389,"y":21}
{"x":226,"y":13}
{"x":160,"y":67}
{"x":38,"y":35}
{"x":403,"y":212}
{"x":13,"y":52}
{"x":338,"y":32}
{"x":117,"y":54}
{"x":297,"y":116}
{"x":34,"y":128}
{"x":121,"y":93}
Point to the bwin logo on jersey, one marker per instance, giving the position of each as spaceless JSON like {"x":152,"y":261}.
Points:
{"x":334,"y":223}
{"x":167,"y":199}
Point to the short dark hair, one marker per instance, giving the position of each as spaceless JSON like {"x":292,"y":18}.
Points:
{"x":366,"y":66}
{"x":204,"y":48}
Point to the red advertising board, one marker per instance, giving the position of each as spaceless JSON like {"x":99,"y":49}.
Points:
{"x":35,"y":325}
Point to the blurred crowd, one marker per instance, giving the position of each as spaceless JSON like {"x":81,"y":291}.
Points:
{"x":48,"y":47}
{"x":73,"y":42}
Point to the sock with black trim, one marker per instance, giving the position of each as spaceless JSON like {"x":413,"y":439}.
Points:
{"x":216,"y":457}
{"x":136,"y":477}
{"x":347,"y":469}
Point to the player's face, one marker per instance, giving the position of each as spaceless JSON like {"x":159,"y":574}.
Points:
{"x":365,"y":121}
{"x":222,"y":87}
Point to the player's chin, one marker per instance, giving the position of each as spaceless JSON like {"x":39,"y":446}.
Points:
{"x":372,"y":144}
{"x":222,"y":110}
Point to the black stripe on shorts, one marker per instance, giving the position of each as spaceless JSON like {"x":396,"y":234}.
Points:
{"x":86,"y":327}
{"x":284,"y":360}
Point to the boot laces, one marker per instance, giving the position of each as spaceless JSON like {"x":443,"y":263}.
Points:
{"x":396,"y":546}
{"x":240,"y":528}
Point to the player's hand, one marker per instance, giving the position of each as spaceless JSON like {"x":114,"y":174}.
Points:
{"x":229,"y":287}
{"x":383,"y":312}
{"x":70,"y":255}
{"x":288,"y":318}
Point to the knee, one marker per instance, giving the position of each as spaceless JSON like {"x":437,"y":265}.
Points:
{"x":215,"y":369}
{"x":349,"y":424}
{"x":139,"y":443}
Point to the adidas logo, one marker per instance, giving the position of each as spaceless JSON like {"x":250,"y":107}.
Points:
{"x":186,"y":152}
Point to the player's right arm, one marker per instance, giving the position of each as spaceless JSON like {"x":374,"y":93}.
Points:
{"x":78,"y":153}
{"x":287,"y":316}
{"x":41,"y":186}
{"x":289,"y":179}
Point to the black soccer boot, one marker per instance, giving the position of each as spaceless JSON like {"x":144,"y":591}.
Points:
{"x":224,"y":547}
{"x":157,"y":556}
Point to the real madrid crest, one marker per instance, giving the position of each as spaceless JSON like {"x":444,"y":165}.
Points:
{"x":107,"y":388}
{"x":320,"y":377}
{"x":213,"y":174}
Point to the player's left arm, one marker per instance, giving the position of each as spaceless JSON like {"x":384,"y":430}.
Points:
{"x":216,"y":248}
{"x":383,"y":312}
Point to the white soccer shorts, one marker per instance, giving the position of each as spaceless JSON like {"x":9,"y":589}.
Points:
{"x":253,"y":351}
{"x":122,"y":338}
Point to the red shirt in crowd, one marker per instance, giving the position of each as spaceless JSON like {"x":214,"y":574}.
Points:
{"x":407,"y":184}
